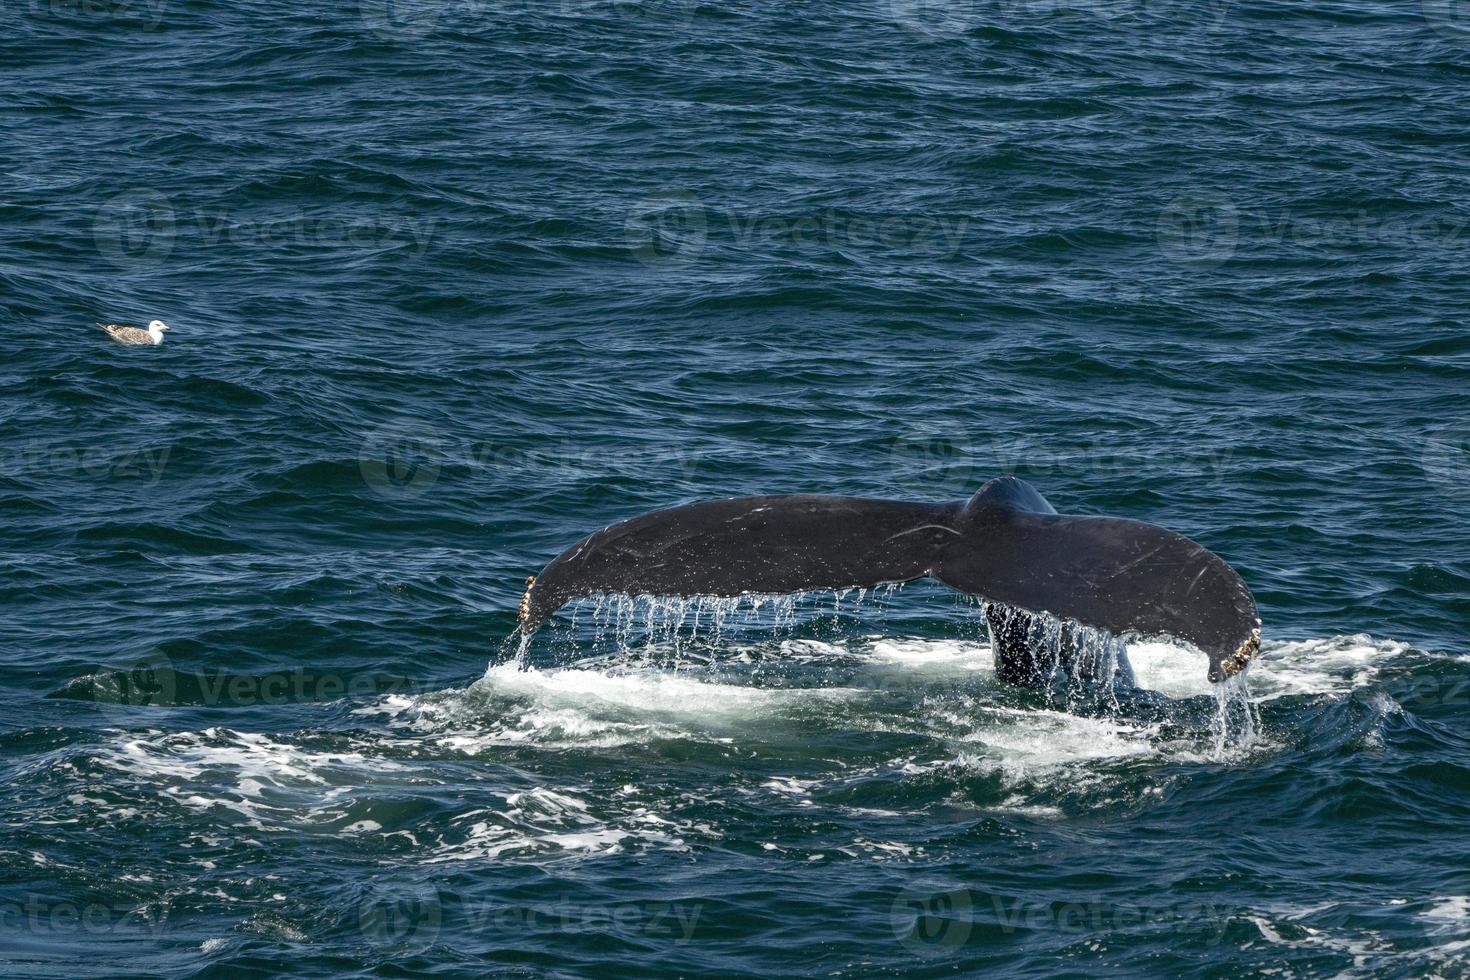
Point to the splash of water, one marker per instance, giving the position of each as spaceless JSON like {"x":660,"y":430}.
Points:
{"x":1078,"y":666}
{"x":522,"y":643}
{"x":1237,"y":720}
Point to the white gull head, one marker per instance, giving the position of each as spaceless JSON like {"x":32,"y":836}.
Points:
{"x":156,"y":330}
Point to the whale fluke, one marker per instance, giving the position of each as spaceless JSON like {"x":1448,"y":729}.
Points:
{"x":1005,"y":544}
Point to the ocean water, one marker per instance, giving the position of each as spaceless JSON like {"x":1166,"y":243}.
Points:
{"x":454,"y":283}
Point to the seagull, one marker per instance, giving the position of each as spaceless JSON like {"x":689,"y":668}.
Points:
{"x":136,"y":335}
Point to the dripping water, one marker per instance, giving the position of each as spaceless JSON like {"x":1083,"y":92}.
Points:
{"x":650,"y":622}
{"x":1237,"y":720}
{"x":1078,"y":667}
{"x":1074,"y":663}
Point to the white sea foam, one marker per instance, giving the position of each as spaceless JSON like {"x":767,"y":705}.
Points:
{"x":942,"y":655}
{"x":1448,"y":914}
{"x":1169,"y":669}
{"x":1025,"y":740}
{"x":590,"y":707}
{"x":543,"y":821}
{"x":257,"y":776}
{"x":1281,"y":669}
{"x":650,"y":694}
{"x":1040,"y":754}
{"x":610,"y":706}
{"x":1033,"y":750}
{"x":1447,"y":921}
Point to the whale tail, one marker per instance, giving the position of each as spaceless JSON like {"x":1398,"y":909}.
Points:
{"x":1006,"y":544}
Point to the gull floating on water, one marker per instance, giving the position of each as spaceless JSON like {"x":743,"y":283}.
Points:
{"x":136,"y":335}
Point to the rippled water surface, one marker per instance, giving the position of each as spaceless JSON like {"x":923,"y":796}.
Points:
{"x":452,"y":284}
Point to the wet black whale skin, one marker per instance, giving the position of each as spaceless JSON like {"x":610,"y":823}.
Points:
{"x":1005,"y":544}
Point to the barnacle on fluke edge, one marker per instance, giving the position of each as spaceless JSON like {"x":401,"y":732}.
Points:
{"x":526,"y":599}
{"x":1236,"y":662}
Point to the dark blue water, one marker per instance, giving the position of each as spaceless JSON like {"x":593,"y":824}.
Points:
{"x":454,"y":283}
